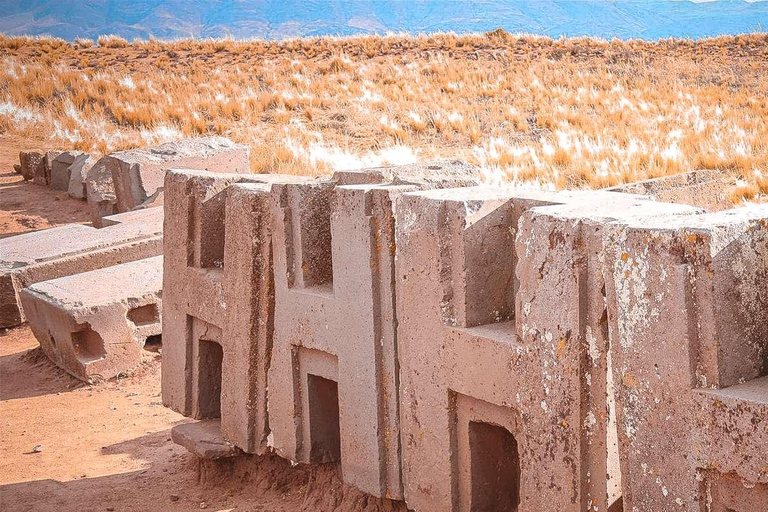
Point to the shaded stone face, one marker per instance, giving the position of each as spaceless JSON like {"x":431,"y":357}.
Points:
{"x":92,"y":330}
{"x":60,"y":169}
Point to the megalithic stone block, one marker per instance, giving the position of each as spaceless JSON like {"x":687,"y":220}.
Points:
{"x":91,"y":329}
{"x":333,"y":375}
{"x":463,"y":371}
{"x":78,"y":173}
{"x":218,"y":300}
{"x":124,"y":180}
{"x":492,"y":337}
{"x":562,"y":316}
{"x":221,"y":235}
{"x":689,"y":311}
{"x":62,"y":251}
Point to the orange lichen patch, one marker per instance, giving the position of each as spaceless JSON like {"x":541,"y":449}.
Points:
{"x":561,"y":347}
{"x":629,"y":380}
{"x":624,"y":257}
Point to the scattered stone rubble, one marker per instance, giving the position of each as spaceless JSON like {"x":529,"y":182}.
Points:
{"x":466,"y":348}
{"x":127,"y":180}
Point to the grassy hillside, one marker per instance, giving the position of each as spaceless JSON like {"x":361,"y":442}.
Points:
{"x":564,"y":113}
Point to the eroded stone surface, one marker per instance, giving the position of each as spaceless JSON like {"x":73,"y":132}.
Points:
{"x":473,"y":348}
{"x":689,"y":313}
{"x":93,"y":324}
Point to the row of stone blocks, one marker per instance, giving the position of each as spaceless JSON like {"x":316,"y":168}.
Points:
{"x":474,"y":348}
{"x":131,"y":179}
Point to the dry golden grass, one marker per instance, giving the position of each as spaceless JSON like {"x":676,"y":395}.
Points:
{"x":562,"y":113}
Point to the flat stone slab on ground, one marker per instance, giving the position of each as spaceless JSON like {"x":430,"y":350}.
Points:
{"x":61,"y":251}
{"x":95,"y":323}
{"x":204,"y":439}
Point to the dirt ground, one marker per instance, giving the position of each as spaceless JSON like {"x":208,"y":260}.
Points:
{"x":107,"y":447}
{"x":26,"y":206}
{"x":67,"y":446}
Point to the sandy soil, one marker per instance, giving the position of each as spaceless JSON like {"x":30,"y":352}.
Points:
{"x":28,"y":207}
{"x":107,"y":447}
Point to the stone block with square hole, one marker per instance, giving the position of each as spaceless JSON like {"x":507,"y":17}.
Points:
{"x":333,"y":374}
{"x":491,"y":341}
{"x":463,"y":371}
{"x":217,"y":292}
{"x":688,"y":304}
{"x":222,"y":237}
{"x":94,"y":324}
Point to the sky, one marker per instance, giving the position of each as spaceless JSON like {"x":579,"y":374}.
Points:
{"x":280,"y":19}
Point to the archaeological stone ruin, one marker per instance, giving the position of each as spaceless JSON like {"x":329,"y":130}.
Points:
{"x":461,"y":347}
{"x":451,"y":346}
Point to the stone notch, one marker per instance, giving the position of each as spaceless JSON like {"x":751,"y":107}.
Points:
{"x":62,"y":251}
{"x":491,"y":337}
{"x":689,"y":312}
{"x":92,"y":330}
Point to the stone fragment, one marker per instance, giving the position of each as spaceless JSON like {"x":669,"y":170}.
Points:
{"x":78,"y":173}
{"x":43,"y":173}
{"x":93,"y":330}
{"x":204,"y":439}
{"x":60,"y":169}
{"x":32,"y":164}
{"x":100,"y":192}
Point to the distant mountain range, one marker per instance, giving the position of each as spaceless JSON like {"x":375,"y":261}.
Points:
{"x":279,"y":19}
